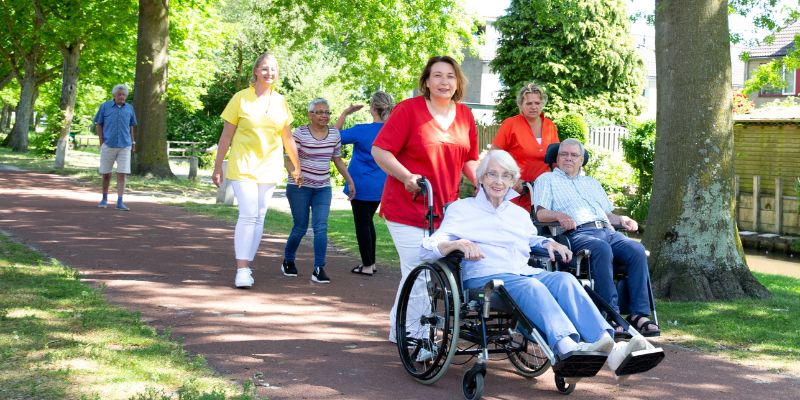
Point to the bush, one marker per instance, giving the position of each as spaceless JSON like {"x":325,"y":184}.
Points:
{"x":639,"y":149}
{"x":614,"y":174}
{"x":741,"y":105}
{"x":572,"y":126}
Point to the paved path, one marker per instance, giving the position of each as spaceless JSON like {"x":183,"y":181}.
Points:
{"x":309,"y":341}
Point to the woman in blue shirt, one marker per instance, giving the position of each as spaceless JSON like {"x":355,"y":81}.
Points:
{"x":366,"y":174}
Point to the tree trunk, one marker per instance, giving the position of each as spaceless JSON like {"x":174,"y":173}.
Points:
{"x":150,"y":89}
{"x":695,"y":249}
{"x":71,"y":54}
{"x":5,"y":114}
{"x":18,"y":138}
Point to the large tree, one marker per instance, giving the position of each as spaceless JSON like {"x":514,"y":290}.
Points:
{"x":691,"y":231}
{"x":150,"y":89}
{"x":25,"y":51}
{"x":577,"y":50}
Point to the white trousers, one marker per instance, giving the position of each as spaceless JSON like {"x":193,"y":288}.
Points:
{"x":253,"y":199}
{"x":407,"y":240}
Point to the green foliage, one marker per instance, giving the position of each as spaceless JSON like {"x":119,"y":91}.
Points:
{"x":577,"y":50}
{"x":44,"y":144}
{"x":639,"y":150}
{"x":572,"y":126}
{"x":614,"y":174}
{"x":385,"y":43}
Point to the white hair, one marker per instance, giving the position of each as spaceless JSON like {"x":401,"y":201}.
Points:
{"x":118,"y":88}
{"x":501,"y":157}
{"x":318,"y":100}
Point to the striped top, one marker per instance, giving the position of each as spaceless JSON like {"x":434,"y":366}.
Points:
{"x":315,"y":156}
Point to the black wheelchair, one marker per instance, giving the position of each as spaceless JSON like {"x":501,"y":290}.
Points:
{"x":478,"y":323}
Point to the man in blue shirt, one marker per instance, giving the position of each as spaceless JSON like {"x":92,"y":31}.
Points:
{"x":115,"y":120}
{"x":580,"y":205}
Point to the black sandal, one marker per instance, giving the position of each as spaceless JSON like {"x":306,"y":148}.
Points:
{"x":644,"y":326}
{"x":359,"y":269}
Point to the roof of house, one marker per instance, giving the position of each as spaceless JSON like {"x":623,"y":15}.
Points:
{"x":784,"y":41}
{"x":775,"y":114}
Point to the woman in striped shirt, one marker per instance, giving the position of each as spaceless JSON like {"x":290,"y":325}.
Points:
{"x":317,"y":145}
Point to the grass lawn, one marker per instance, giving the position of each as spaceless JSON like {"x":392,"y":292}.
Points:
{"x":60,"y":339}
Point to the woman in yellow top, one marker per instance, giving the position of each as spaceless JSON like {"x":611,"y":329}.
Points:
{"x":257,"y":128}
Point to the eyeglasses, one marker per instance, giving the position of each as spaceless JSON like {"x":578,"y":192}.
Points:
{"x":321,"y":112}
{"x":566,"y":154}
{"x":505,"y":176}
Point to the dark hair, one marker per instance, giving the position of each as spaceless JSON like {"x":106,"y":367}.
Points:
{"x":461,"y":80}
{"x":383,"y":104}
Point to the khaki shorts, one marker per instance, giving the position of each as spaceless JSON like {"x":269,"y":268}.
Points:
{"x":108,"y":155}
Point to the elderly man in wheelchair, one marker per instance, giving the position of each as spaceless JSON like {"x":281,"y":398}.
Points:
{"x":496,"y":238}
{"x":581,"y":207}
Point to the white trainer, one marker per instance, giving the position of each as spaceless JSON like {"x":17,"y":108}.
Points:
{"x":244,"y":278}
{"x":622,"y":349}
{"x":604,"y":345}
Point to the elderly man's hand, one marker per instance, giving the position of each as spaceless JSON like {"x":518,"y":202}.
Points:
{"x":629,"y":224}
{"x":567,"y":223}
{"x":553,"y":247}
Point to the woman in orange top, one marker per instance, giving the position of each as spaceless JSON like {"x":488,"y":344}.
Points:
{"x":526,"y":136}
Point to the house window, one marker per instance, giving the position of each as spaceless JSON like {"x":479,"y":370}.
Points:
{"x":789,"y":89}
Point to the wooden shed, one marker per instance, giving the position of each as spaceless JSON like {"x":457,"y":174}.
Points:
{"x":767,"y":162}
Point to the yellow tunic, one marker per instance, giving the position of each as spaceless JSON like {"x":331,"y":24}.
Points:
{"x":256,"y":152}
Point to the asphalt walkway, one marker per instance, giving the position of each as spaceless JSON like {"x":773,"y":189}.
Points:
{"x":308,"y":341}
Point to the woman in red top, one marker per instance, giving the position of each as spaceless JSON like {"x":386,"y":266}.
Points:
{"x":526,"y":137}
{"x":434,"y":136}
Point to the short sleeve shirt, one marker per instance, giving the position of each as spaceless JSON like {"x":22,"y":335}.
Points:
{"x":316,"y":155}
{"x":421,"y":145}
{"x":367,"y":175}
{"x":116,"y":121}
{"x":256,"y":152}
{"x":581,"y":197}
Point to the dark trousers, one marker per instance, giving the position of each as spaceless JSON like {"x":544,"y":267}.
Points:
{"x":607,"y":247}
{"x":363,"y":211}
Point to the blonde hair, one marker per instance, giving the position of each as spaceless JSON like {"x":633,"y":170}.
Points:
{"x":531,"y":88}
{"x":383,"y":104}
{"x":259,"y":60}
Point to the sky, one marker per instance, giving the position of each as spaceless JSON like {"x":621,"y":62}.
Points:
{"x":738,"y":24}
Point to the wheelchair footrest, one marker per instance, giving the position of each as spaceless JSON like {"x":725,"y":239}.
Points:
{"x":580,"y":364}
{"x":640,"y":361}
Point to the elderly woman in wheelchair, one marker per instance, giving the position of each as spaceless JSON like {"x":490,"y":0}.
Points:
{"x":496,"y":238}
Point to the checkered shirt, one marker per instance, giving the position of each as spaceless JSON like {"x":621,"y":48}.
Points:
{"x":581,"y":197}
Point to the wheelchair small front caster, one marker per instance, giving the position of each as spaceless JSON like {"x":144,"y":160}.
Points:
{"x":562,"y":385}
{"x":472,"y":383}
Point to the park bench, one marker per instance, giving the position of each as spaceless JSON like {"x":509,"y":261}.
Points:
{"x":186,"y":150}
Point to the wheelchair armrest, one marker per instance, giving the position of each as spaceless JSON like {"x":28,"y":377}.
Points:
{"x":455,"y":256}
{"x":488,"y":289}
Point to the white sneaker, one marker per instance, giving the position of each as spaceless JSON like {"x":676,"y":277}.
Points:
{"x":244,"y":278}
{"x":604,"y":345}
{"x":622,"y":349}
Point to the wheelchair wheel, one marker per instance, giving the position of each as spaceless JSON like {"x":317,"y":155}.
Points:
{"x":427,"y":330}
{"x":527,"y":357}
{"x":472,"y":386}
{"x":562,"y":385}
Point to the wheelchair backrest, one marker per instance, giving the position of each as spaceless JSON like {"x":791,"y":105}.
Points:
{"x":551,"y":156}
